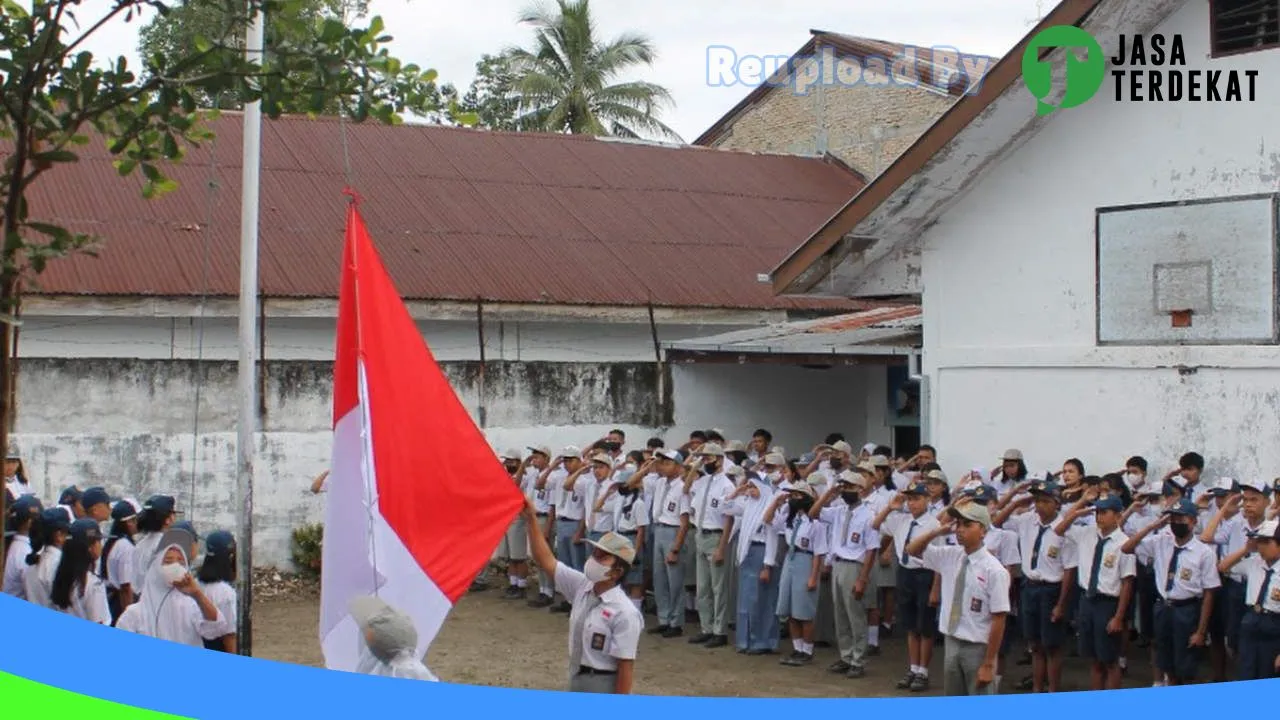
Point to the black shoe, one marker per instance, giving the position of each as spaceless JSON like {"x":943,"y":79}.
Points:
{"x":479,"y":586}
{"x":792,"y":660}
{"x":541,"y":601}
{"x":563,"y":607}
{"x":659,"y":630}
{"x":873,"y":650}
{"x":760,"y":651}
{"x":804,"y":659}
{"x":855,"y":672}
{"x":691,"y":616}
{"x":514,"y":593}
{"x":919,"y":683}
{"x":838,"y":667}
{"x":717,"y":641}
{"x":700,"y":638}
{"x":673,"y":632}
{"x":905,"y":682}
{"x":886,"y":631}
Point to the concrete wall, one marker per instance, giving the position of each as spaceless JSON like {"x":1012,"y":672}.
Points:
{"x":865,"y":125}
{"x":1009,"y":290}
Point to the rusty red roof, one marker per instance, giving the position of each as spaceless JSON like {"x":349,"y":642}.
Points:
{"x":457,"y":214}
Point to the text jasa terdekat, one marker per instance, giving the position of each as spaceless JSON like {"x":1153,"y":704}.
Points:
{"x":1153,"y":69}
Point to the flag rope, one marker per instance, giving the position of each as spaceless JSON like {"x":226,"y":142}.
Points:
{"x":211,"y":190}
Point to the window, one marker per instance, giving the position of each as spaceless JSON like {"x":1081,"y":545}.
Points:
{"x":1240,"y":26}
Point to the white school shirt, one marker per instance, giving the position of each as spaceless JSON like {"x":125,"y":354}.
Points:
{"x":899,"y":525}
{"x":707,"y":497}
{"x":627,"y":519}
{"x":1197,"y":566}
{"x":1233,"y":534}
{"x":751,"y":526}
{"x":120,"y":564}
{"x":673,"y":502}
{"x":1115,"y":567}
{"x":592,"y":490}
{"x":878,"y":499}
{"x":39,"y":579}
{"x":1139,"y":520}
{"x":542,"y":499}
{"x":18,"y":488}
{"x":1048,"y":566}
{"x":15,"y":567}
{"x":649,"y":486}
{"x":602,"y":629}
{"x":1002,"y":485}
{"x":851,"y":535}
{"x":1255,"y":571}
{"x":223,"y":596}
{"x":92,"y":605}
{"x":986,"y":589}
{"x":1003,"y":544}
{"x":570,"y":506}
{"x":805,"y":535}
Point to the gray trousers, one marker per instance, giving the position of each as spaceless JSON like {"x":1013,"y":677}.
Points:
{"x":850,"y":612}
{"x":713,"y":585}
{"x":604,"y":684}
{"x":960,"y":662}
{"x":668,"y":580}
{"x":731,"y":582}
{"x":546,"y":583}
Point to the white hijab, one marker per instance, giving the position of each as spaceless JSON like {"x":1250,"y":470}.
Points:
{"x":165,"y":613}
{"x":396,"y":639}
{"x":753,"y":515}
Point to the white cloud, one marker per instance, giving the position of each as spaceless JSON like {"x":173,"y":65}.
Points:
{"x":450,"y":37}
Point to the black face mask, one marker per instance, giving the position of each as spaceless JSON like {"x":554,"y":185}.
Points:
{"x":626,"y":491}
{"x":851,"y":498}
{"x":511,"y":469}
{"x":711,"y":467}
{"x":837,"y":464}
{"x":800,"y":505}
{"x":1182,"y":531}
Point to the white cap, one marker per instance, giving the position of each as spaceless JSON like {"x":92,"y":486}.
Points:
{"x":571,"y":451}
{"x":1257,"y":484}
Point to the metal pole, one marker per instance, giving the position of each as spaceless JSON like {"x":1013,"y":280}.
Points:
{"x":248,"y":376}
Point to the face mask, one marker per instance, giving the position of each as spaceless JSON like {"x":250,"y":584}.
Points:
{"x":851,"y":498}
{"x":173,"y":572}
{"x":837,"y":464}
{"x":595,"y":570}
{"x":799,"y":505}
{"x":1180,"y":530}
{"x":710,"y":467}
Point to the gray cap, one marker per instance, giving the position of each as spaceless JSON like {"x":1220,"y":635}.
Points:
{"x":386,"y":630}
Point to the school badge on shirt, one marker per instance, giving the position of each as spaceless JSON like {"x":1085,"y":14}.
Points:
{"x":597,"y":641}
{"x":855,"y":537}
{"x":1109,"y":561}
{"x":975,"y":605}
{"x":1052,"y":552}
{"x":1184,"y":574}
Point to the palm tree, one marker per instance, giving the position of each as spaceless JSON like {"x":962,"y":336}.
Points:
{"x":562,"y":84}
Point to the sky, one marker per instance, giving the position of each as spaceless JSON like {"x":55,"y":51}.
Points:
{"x":451,"y":36}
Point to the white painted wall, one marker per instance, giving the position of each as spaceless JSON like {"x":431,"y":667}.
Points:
{"x":1009,"y":277}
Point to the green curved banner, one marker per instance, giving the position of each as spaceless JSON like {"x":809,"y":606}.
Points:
{"x":22,"y":694}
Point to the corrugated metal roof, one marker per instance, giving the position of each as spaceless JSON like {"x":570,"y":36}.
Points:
{"x":457,"y":214}
{"x":890,"y":329}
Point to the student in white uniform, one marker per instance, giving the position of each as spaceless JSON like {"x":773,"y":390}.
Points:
{"x":159,"y":512}
{"x":513,"y":548}
{"x":593,"y":486}
{"x":172,"y":606}
{"x":96,"y":503}
{"x":852,"y":548}
{"x":55,"y":526}
{"x":76,"y":589}
{"x":24,"y":519}
{"x":15,"y":476}
{"x":806,"y":541}
{"x":1004,"y":545}
{"x":569,"y":511}
{"x":1047,"y":583}
{"x":757,"y":624}
{"x":975,"y":599}
{"x":1105,"y":582}
{"x":117,"y":565}
{"x":217,"y":578}
{"x":884,"y":573}
{"x":1259,"y":560}
{"x":914,"y":580}
{"x":388,"y":641}
{"x":1186,"y":578}
{"x":623,"y":501}
{"x":536,"y":463}
{"x":713,"y":528}
{"x":1238,"y":516}
{"x":671,"y":542}
{"x":604,"y":626}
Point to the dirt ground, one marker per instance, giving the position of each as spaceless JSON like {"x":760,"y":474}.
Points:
{"x":491,"y":641}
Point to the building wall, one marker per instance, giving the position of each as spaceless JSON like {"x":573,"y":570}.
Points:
{"x":1009,"y":290}
{"x":112,"y":401}
{"x":865,"y":125}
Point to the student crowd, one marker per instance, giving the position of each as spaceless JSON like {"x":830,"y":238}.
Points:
{"x":850,"y":546}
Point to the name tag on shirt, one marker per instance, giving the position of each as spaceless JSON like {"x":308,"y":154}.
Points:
{"x":804,"y":543}
{"x":1275,"y":594}
{"x":1184,"y":574}
{"x":1052,"y":552}
{"x":1109,"y":561}
{"x":975,"y":605}
{"x":855,"y":537}
{"x":597,"y":641}
{"x":671,"y":506}
{"x":715,"y":502}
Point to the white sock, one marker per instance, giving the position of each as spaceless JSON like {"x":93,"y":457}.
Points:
{"x":873,"y":635}
{"x":808,"y":648}
{"x":1124,"y":663}
{"x":922,"y":671}
{"x":797,"y":644}
{"x":546,"y":591}
{"x":513,"y":580}
{"x":522,"y":583}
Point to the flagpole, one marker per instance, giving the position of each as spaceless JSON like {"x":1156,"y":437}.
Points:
{"x":247,"y":427}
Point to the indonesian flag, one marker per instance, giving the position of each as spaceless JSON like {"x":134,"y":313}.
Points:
{"x":416,"y":499}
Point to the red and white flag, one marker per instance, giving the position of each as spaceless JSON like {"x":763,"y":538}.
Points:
{"x":416,"y":498}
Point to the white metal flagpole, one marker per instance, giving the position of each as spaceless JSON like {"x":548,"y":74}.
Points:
{"x":247,"y":429}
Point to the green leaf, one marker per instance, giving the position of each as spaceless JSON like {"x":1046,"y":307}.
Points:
{"x":152,"y":173}
{"x":202,"y":44}
{"x":50,"y":157}
{"x":125,"y":166}
{"x":60,"y":234}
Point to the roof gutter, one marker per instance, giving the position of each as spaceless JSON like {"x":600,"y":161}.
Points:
{"x":997,"y":81}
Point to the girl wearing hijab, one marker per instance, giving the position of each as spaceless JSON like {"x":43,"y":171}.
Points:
{"x":388,"y":641}
{"x":172,"y":605}
{"x":756,"y":631}
{"x":23,"y":524}
{"x":46,"y":553}
{"x":77,"y":590}
{"x":217,"y":579}
{"x":117,"y":566}
{"x":158,"y":513}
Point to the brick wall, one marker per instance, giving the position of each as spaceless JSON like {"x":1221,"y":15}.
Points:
{"x":867,"y":124}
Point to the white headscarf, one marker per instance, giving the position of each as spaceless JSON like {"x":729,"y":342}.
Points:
{"x":753,"y":514}
{"x":395,"y":641}
{"x":165,"y":613}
